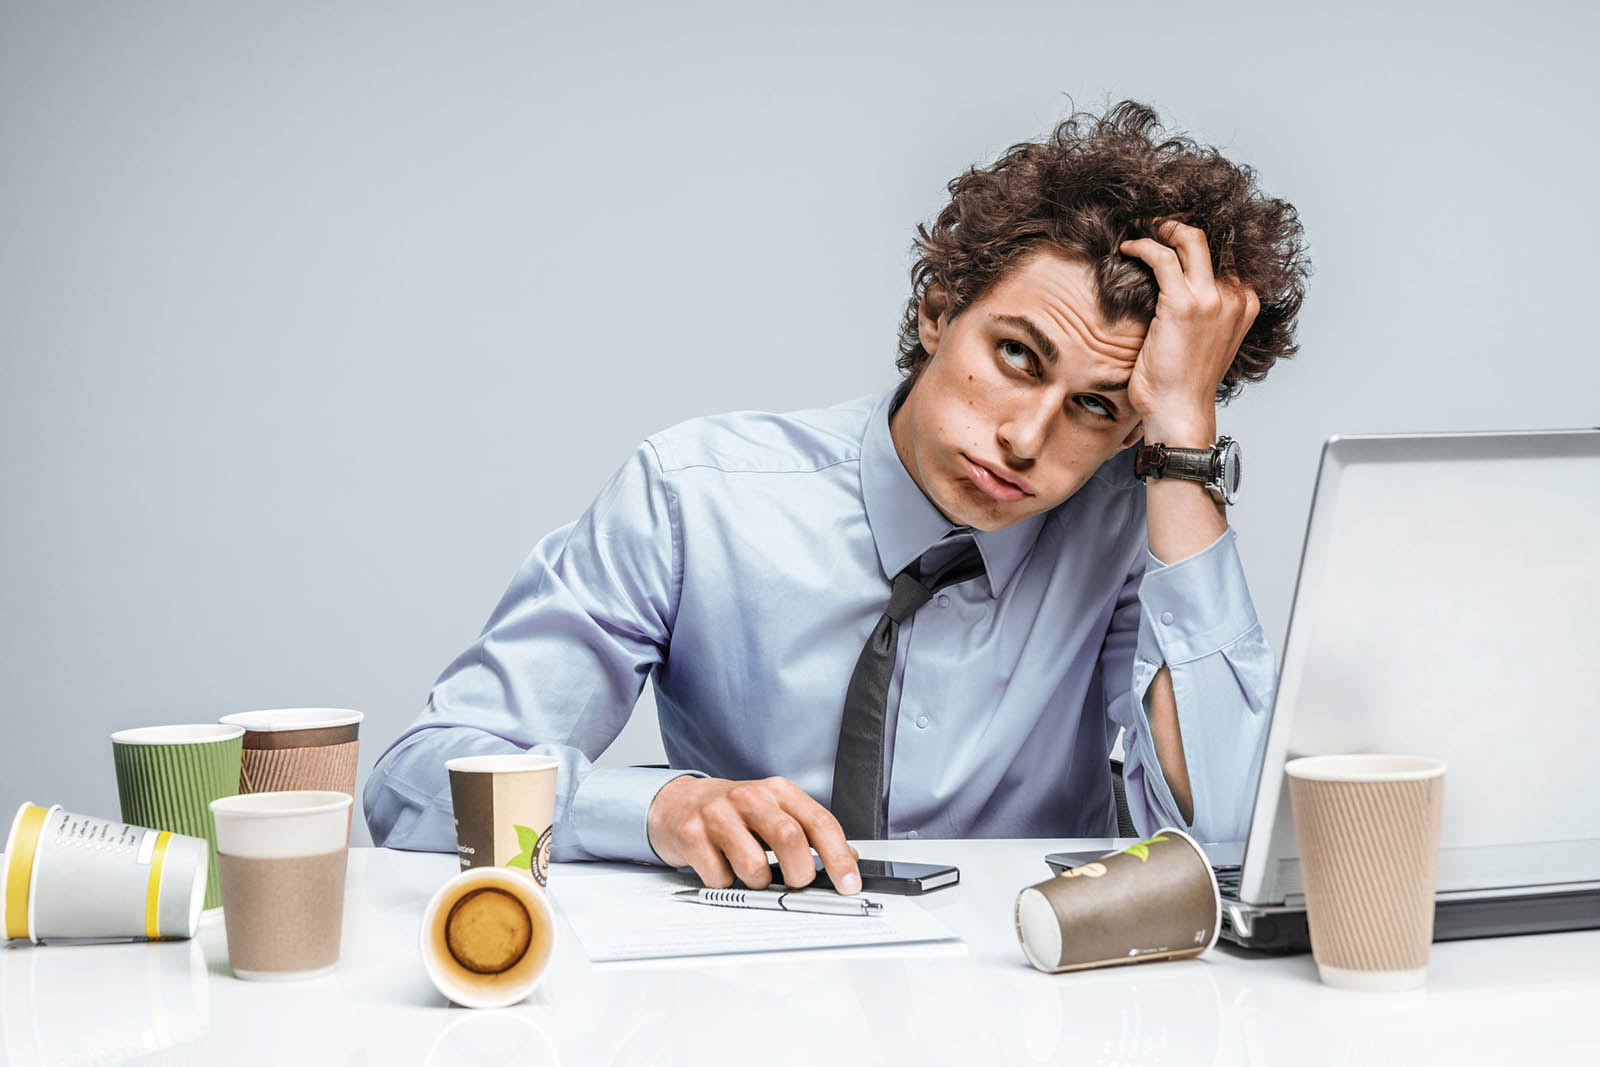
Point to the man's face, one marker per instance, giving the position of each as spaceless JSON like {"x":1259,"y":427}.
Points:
{"x":1007,"y":422}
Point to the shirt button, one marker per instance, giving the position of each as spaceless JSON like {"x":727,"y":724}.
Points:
{"x":944,"y":601}
{"x":911,"y":833}
{"x":1166,"y":617}
{"x":922,"y":722}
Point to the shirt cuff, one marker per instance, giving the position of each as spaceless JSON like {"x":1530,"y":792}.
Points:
{"x":1197,"y":606}
{"x":611,"y":811}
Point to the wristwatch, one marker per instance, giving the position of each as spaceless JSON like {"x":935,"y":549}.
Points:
{"x":1217,"y":467}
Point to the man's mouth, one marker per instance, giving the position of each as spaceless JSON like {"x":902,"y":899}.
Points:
{"x":993,"y":483}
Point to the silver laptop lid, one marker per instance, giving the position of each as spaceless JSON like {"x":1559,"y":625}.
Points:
{"x":1448,"y":605}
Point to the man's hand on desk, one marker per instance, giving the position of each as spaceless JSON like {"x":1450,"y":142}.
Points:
{"x":718,"y":827}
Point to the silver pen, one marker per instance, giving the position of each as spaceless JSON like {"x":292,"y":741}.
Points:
{"x":781,"y":900}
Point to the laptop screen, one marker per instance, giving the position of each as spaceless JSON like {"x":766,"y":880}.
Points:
{"x":1448,"y":605}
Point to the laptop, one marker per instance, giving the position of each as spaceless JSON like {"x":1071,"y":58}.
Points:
{"x":1447,"y":605}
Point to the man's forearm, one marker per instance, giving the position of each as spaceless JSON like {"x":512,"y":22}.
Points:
{"x":1180,"y":515}
{"x":1181,"y":518}
{"x":1167,"y":739}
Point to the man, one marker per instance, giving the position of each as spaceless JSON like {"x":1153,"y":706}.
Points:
{"x":929,"y":611}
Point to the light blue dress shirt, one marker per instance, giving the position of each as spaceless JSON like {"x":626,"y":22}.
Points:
{"x":740,"y":561}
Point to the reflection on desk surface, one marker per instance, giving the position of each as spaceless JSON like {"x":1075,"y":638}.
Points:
{"x":1493,"y":1001}
{"x":104,"y":1003}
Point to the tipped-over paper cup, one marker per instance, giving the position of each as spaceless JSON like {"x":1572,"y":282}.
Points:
{"x":72,"y":876}
{"x":1368,"y":831}
{"x":486,"y":937}
{"x":298,"y":748}
{"x":505,"y":809}
{"x":168,"y":775}
{"x":282,"y":857}
{"x":1154,"y":900}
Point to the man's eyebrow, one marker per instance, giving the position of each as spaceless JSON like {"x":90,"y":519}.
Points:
{"x":1047,"y":348}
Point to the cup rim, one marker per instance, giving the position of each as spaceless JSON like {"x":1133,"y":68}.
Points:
{"x":504,"y":763}
{"x":270,"y":720}
{"x":1364,"y":767}
{"x":280,"y":803}
{"x":502,"y":876}
{"x":8,"y":856}
{"x":188,"y":733}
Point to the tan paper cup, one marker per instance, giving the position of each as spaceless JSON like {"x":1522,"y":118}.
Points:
{"x":504,"y":810}
{"x":282,"y":858}
{"x":1155,"y":900}
{"x":72,"y":876}
{"x":298,"y":748}
{"x":486,"y":937}
{"x":1368,"y":831}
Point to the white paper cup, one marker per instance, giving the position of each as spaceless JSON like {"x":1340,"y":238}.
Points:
{"x":282,"y":859}
{"x":70,"y":876}
{"x":511,"y":976}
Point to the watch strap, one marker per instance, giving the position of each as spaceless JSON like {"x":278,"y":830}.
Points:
{"x":1190,"y":464}
{"x":1159,"y":461}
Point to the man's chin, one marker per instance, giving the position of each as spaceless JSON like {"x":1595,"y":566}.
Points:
{"x":973,"y":508}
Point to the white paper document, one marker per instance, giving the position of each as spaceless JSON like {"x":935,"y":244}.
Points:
{"x":635,"y":917}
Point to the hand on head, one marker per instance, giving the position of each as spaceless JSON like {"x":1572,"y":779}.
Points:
{"x":723,"y":828}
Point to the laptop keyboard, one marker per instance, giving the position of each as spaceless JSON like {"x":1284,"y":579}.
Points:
{"x":1228,"y":879}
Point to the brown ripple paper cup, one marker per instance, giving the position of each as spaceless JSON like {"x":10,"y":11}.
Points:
{"x":298,"y":748}
{"x":1155,"y":900}
{"x":505,"y":809}
{"x":1368,"y":831}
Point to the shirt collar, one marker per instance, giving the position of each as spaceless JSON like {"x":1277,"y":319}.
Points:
{"x":905,"y":524}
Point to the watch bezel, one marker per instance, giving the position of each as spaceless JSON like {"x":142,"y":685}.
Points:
{"x":1226,"y":474}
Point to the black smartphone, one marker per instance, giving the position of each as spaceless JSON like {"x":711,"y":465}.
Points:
{"x":888,"y":876}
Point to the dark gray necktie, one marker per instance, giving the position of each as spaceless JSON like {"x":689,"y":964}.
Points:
{"x":858,"y":768}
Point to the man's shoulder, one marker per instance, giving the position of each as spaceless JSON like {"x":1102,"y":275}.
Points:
{"x":745,"y":442}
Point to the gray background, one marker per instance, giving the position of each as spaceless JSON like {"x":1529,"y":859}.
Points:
{"x":314,"y":318}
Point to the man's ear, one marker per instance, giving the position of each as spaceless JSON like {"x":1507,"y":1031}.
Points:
{"x":932,"y":317}
{"x":1134,"y":433}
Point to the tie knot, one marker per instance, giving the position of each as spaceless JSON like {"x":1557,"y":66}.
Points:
{"x":909,"y":595}
{"x":911,"y":590}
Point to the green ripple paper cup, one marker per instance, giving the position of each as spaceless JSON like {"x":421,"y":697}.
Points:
{"x":167,"y":777}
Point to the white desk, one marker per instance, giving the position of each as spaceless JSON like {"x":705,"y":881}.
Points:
{"x":1506,"y":1000}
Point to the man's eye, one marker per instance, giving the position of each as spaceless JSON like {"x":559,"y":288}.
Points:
{"x":1095,"y":405}
{"x":1017,"y":355}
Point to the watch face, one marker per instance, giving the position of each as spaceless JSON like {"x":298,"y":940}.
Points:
{"x":1230,"y":470}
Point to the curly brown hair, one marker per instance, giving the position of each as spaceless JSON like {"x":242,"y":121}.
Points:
{"x":1081,"y":193}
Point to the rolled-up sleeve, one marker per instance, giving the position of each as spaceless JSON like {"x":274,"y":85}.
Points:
{"x":556,"y":671}
{"x":1195,"y":617}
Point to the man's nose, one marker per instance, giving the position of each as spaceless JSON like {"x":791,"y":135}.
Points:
{"x":1023,"y":431}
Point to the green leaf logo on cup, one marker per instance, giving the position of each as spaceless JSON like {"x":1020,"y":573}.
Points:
{"x":527,"y":840}
{"x":498,"y":801}
{"x":1142,"y":849}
